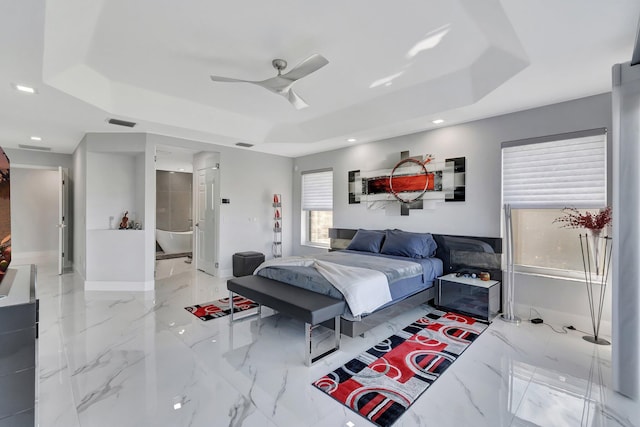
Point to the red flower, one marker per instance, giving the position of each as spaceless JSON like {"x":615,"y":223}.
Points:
{"x":573,"y":218}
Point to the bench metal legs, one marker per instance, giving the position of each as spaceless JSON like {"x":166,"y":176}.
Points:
{"x":308,"y":329}
{"x":232,"y":319}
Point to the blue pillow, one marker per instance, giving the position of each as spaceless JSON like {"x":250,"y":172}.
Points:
{"x":367,"y":241}
{"x":412,"y":245}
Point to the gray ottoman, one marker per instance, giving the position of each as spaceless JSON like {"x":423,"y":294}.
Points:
{"x":244,"y":263}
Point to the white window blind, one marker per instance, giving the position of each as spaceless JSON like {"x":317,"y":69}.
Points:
{"x":317,"y":191}
{"x":566,"y":170}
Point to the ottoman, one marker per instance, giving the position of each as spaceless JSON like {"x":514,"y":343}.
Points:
{"x":244,"y":263}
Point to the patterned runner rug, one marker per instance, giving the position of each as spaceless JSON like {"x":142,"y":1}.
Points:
{"x":381,"y":383}
{"x":220,"y":308}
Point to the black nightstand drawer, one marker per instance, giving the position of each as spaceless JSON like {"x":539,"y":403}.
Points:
{"x":473,"y":297}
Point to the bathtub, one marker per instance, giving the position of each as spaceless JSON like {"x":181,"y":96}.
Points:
{"x":173,"y":242}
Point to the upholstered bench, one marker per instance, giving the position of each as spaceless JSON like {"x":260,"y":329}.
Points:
{"x":302,"y":304}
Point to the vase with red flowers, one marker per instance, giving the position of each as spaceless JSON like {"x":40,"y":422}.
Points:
{"x":596,"y":259}
{"x":594,"y":223}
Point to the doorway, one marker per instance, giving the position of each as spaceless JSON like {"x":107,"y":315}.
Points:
{"x":207,"y":207}
{"x":39,"y":206}
{"x":194,"y":218}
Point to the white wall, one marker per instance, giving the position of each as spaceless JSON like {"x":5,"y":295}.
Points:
{"x":117,"y":174}
{"x":480,"y":214}
{"x":249,"y":180}
{"x":111,"y":190}
{"x":34,"y":212}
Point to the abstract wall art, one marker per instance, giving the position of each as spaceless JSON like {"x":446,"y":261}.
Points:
{"x":414,"y":182}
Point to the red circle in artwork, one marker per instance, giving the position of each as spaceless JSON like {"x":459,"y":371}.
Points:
{"x":426,"y":181}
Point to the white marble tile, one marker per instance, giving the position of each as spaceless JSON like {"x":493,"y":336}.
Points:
{"x":140,"y":359}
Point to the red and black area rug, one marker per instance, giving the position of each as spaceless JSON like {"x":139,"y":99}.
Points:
{"x":220,"y":308}
{"x":381,"y":383}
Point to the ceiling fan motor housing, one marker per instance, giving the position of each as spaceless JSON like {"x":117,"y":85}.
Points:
{"x":279,"y":64}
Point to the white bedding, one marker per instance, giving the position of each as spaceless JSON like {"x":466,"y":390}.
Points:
{"x":364,"y":290}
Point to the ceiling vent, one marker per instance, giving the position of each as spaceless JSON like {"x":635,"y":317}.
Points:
{"x":244,"y":144}
{"x":34,"y":147}
{"x":122,"y":123}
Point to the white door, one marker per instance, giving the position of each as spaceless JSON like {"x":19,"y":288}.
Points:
{"x":63,"y":233}
{"x":206,"y":256}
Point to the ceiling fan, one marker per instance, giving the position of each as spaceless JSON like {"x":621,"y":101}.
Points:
{"x":281,"y":84}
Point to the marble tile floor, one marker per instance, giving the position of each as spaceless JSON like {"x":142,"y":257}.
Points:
{"x":123,"y":359}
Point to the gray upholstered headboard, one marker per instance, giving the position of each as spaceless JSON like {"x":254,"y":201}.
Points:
{"x":470,"y":254}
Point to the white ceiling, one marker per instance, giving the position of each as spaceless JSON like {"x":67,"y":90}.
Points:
{"x":391,"y":71}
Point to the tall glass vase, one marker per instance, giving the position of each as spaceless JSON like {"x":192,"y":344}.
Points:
{"x":596,"y":259}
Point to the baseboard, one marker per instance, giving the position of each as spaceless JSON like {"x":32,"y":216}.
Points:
{"x":103,"y":285}
{"x":558,"y":319}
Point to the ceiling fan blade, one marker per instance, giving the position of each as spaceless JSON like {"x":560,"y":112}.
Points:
{"x":296,"y":100}
{"x":275,"y":84}
{"x":229,"y":80}
{"x":306,"y":67}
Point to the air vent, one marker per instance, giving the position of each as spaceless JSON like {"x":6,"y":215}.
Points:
{"x":122,"y":123}
{"x":244,"y":144}
{"x":34,"y":147}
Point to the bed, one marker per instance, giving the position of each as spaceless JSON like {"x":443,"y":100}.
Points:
{"x":406,"y":264}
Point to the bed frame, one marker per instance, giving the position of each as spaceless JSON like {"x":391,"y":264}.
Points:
{"x":468,"y":254}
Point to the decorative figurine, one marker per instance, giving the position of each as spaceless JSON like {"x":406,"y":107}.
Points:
{"x":125,"y":220}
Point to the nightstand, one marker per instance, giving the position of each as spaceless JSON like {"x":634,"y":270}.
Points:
{"x":465,"y":295}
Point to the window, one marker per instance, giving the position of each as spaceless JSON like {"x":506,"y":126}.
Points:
{"x":541,"y":176}
{"x":317,"y":207}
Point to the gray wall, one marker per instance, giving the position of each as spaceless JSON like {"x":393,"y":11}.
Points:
{"x":626,"y":249}
{"x":480,"y":214}
{"x":478,"y":141}
{"x":173,"y":201}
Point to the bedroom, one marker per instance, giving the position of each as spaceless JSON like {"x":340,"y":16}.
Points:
{"x":478,"y":141}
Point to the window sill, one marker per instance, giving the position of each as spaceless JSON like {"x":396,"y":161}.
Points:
{"x":567,"y":276}
{"x":315,"y":245}
{"x":549,"y":276}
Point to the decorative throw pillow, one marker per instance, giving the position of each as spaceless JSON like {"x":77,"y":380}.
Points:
{"x":412,"y":245}
{"x":367,"y":241}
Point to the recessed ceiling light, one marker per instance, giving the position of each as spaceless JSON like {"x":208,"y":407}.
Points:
{"x":36,"y":138}
{"x":177,"y":406}
{"x":351,"y":140}
{"x":437,"y":121}
{"x":181,"y":169}
{"x":23,"y":88}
